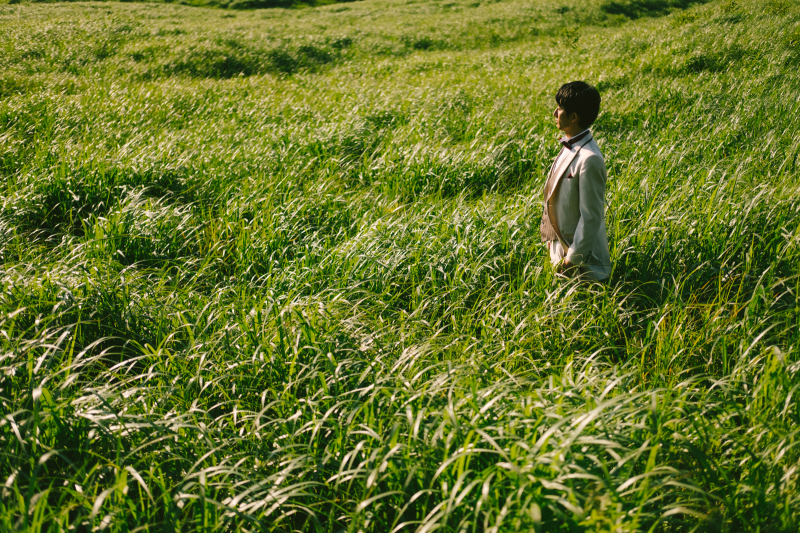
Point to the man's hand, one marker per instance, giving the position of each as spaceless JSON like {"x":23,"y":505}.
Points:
{"x":565,"y":268}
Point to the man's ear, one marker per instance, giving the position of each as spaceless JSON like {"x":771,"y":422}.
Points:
{"x":574,"y":117}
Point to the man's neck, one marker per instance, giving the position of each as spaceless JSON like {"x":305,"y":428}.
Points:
{"x":574,"y":132}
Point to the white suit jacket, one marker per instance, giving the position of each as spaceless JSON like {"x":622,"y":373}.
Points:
{"x":576,"y":207}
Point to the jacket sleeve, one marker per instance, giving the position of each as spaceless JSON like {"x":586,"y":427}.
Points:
{"x":592,"y":193}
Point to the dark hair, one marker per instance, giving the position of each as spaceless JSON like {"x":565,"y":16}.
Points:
{"x":581,"y":98}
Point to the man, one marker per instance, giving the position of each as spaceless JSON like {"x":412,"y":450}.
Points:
{"x":573,"y":223}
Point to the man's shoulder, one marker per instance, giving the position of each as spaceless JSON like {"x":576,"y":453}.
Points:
{"x":592,"y":150}
{"x":592,"y":157}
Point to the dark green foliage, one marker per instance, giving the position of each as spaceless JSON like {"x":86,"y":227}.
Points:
{"x":421,"y":43}
{"x":634,"y":9}
{"x":715,"y":61}
{"x":228,"y":4}
{"x":261,"y":4}
{"x":230,"y":59}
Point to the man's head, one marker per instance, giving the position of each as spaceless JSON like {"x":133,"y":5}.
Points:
{"x":578,"y":106}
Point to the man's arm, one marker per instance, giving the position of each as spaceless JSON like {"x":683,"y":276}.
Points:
{"x":592,"y":190}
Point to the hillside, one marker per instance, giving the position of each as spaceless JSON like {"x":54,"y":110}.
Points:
{"x":280,"y":270}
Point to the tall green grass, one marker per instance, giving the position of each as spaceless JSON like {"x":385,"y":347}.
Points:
{"x":281,"y":271}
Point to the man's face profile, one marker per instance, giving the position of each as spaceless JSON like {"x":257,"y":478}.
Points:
{"x":566,"y":122}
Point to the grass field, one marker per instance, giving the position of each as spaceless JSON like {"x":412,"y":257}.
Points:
{"x":279,"y":270}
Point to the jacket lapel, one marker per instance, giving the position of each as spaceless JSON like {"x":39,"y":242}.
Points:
{"x":565,"y":162}
{"x":552,"y":168}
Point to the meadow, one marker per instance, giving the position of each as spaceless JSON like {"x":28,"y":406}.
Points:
{"x":279,"y":270}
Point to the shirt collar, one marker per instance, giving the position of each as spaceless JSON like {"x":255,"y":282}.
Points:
{"x":571,"y":141}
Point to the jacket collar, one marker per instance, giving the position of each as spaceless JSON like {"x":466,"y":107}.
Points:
{"x":564,"y":162}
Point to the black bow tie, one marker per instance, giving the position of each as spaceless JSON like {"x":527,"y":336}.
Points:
{"x":569,"y":143}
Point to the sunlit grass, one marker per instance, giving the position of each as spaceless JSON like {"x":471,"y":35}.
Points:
{"x":280,"y":271}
